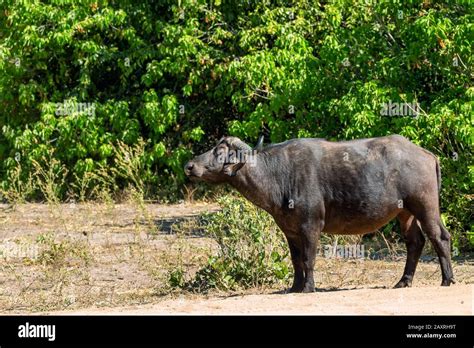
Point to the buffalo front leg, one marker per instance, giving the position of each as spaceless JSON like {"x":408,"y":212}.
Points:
{"x":296,"y":253}
{"x":310,"y":238}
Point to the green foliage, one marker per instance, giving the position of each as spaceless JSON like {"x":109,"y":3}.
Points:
{"x":176,"y":278}
{"x":83,"y":77}
{"x":251,"y":250}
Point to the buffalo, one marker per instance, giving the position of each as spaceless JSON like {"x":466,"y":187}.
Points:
{"x":311,"y":186}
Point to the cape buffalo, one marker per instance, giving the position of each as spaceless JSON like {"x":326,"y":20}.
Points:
{"x":311,"y":186}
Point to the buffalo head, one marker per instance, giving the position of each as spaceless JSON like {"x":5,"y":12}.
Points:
{"x":224,"y":160}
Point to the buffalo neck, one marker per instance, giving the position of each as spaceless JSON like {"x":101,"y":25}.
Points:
{"x":260,"y":183}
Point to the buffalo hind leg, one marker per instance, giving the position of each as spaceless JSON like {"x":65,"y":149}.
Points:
{"x":441,"y":241}
{"x":415,"y":242}
{"x":297,"y":259}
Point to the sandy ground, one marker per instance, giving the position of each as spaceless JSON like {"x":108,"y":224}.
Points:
{"x":101,"y":259}
{"x":455,"y":300}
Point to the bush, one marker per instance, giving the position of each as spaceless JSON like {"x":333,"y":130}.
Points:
{"x":252,"y":250}
{"x":83,"y":77}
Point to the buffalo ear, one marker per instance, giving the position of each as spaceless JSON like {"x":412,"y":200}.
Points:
{"x":233,"y":168}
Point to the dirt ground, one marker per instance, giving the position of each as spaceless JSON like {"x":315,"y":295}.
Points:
{"x":113,"y":259}
{"x":458,"y":300}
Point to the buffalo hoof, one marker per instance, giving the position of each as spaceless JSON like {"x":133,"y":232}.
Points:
{"x":448,"y":282}
{"x":308,"y":289}
{"x":295,"y":289}
{"x":403,"y":283}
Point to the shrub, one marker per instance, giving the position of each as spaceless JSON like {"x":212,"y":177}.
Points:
{"x":251,"y":249}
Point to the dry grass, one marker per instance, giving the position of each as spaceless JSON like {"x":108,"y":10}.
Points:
{"x":74,"y":256}
{"x":79,"y":255}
